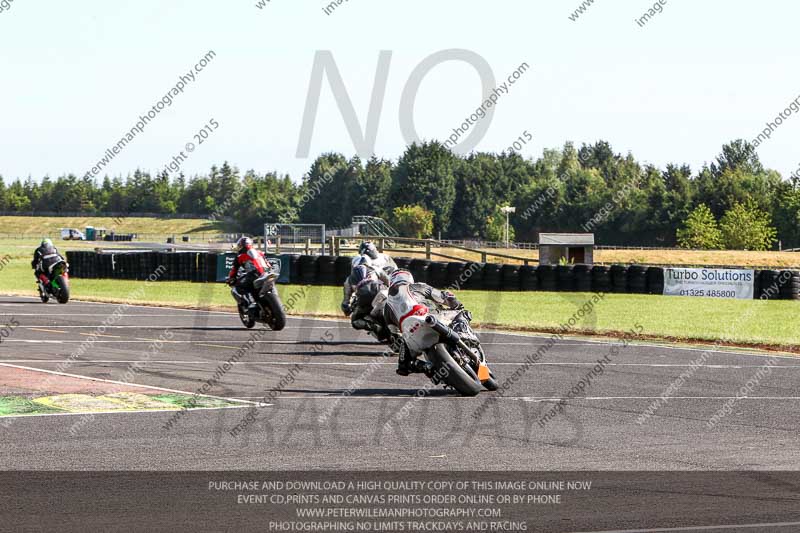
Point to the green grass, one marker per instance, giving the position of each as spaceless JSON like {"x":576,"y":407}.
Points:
{"x":734,"y":321}
{"x":51,"y":226}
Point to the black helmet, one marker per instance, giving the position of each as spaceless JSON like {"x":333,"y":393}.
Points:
{"x":367,"y":248}
{"x":244,"y":244}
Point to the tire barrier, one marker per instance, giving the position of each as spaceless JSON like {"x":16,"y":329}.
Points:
{"x":309,"y":268}
{"x":419,"y":269}
{"x":437,"y":274}
{"x":601,"y":278}
{"x":637,"y":279}
{"x":655,"y":280}
{"x":403,"y":262}
{"x":343,"y":269}
{"x":509,"y":276}
{"x":327,"y":271}
{"x":528,"y":278}
{"x":547,"y":277}
{"x":583,"y":278}
{"x":492,"y":277}
{"x":332,"y":271}
{"x":619,"y":278}
{"x":474,"y":281}
{"x":455,"y":275}
{"x":565,"y":278}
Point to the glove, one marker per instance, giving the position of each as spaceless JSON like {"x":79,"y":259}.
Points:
{"x":346,"y":309}
{"x":230,"y":281}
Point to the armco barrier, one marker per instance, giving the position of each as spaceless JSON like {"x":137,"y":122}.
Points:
{"x":332,"y":271}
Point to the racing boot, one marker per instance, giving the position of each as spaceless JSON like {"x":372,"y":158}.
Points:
{"x":404,"y":361}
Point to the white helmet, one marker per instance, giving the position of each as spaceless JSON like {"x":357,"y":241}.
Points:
{"x":400,"y":277}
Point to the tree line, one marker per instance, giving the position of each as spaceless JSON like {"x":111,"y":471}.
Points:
{"x":431,"y":191}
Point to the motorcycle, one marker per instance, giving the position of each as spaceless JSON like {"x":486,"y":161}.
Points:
{"x":58,"y":288}
{"x":374,"y":322}
{"x":268,"y":309}
{"x":448,"y":348}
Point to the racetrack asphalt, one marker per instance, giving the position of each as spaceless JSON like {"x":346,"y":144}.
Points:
{"x":344,"y":408}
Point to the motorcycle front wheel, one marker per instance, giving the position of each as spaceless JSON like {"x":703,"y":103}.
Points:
{"x":467,"y":384}
{"x":277,"y":316}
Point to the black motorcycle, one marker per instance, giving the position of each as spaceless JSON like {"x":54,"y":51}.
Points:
{"x":58,"y":288}
{"x":266,"y":308}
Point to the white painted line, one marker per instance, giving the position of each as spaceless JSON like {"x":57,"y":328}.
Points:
{"x":123,"y":383}
{"x":135,"y":411}
{"x":348,"y":363}
{"x":699,"y":528}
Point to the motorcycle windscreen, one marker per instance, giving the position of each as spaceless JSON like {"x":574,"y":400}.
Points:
{"x":418,"y":335}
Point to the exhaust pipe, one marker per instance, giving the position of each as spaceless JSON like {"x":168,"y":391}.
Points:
{"x":448,"y":334}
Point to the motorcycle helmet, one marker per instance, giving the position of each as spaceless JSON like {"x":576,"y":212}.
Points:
{"x":244,"y":244}
{"x":369,"y":249}
{"x":361,"y":275}
{"x":400,"y":277}
{"x":47,"y":243}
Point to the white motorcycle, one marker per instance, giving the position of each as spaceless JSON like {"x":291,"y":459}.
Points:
{"x":450,"y":351}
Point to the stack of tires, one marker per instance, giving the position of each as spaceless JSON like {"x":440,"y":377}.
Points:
{"x":637,"y":279}
{"x":327,"y":270}
{"x":492,"y":277}
{"x":601,"y":278}
{"x":547,"y":278}
{"x":528,"y":278}
{"x":655,"y":280}
{"x":583,"y":278}
{"x":510,"y":278}
{"x":419,"y":269}
{"x":473,"y":276}
{"x":455,"y":275}
{"x":619,"y":278}
{"x":437,"y":274}
{"x":565,"y":278}
{"x":308,"y":269}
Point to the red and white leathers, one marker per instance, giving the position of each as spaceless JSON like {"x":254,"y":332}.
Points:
{"x":250,"y":258}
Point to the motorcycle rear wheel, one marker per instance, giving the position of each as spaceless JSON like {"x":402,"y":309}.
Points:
{"x":248,"y":321}
{"x":63,"y":291}
{"x":455,"y":376}
{"x":43,"y":294}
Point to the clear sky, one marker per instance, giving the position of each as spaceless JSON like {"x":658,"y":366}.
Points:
{"x":76,"y":75}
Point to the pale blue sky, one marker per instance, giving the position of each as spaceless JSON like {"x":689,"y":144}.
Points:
{"x":77,"y":74}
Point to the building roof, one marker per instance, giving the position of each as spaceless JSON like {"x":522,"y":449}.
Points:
{"x":566,"y":239}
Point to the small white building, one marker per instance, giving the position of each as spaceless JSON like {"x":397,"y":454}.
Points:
{"x":574,"y":247}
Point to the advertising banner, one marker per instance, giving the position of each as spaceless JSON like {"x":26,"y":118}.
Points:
{"x":709,"y":282}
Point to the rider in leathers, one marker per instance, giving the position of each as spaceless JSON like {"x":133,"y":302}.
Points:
{"x":381,"y":264}
{"x":45,"y":256}
{"x":366,"y":287}
{"x":248,"y":258}
{"x":405,"y":297}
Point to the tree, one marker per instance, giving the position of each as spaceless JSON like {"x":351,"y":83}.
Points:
{"x":424,"y":176}
{"x":413,"y":221}
{"x":700,"y":231}
{"x":746,"y":227}
{"x":496,"y":227}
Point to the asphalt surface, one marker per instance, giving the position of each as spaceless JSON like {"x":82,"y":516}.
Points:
{"x":319,"y":397}
{"x":345,"y":407}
